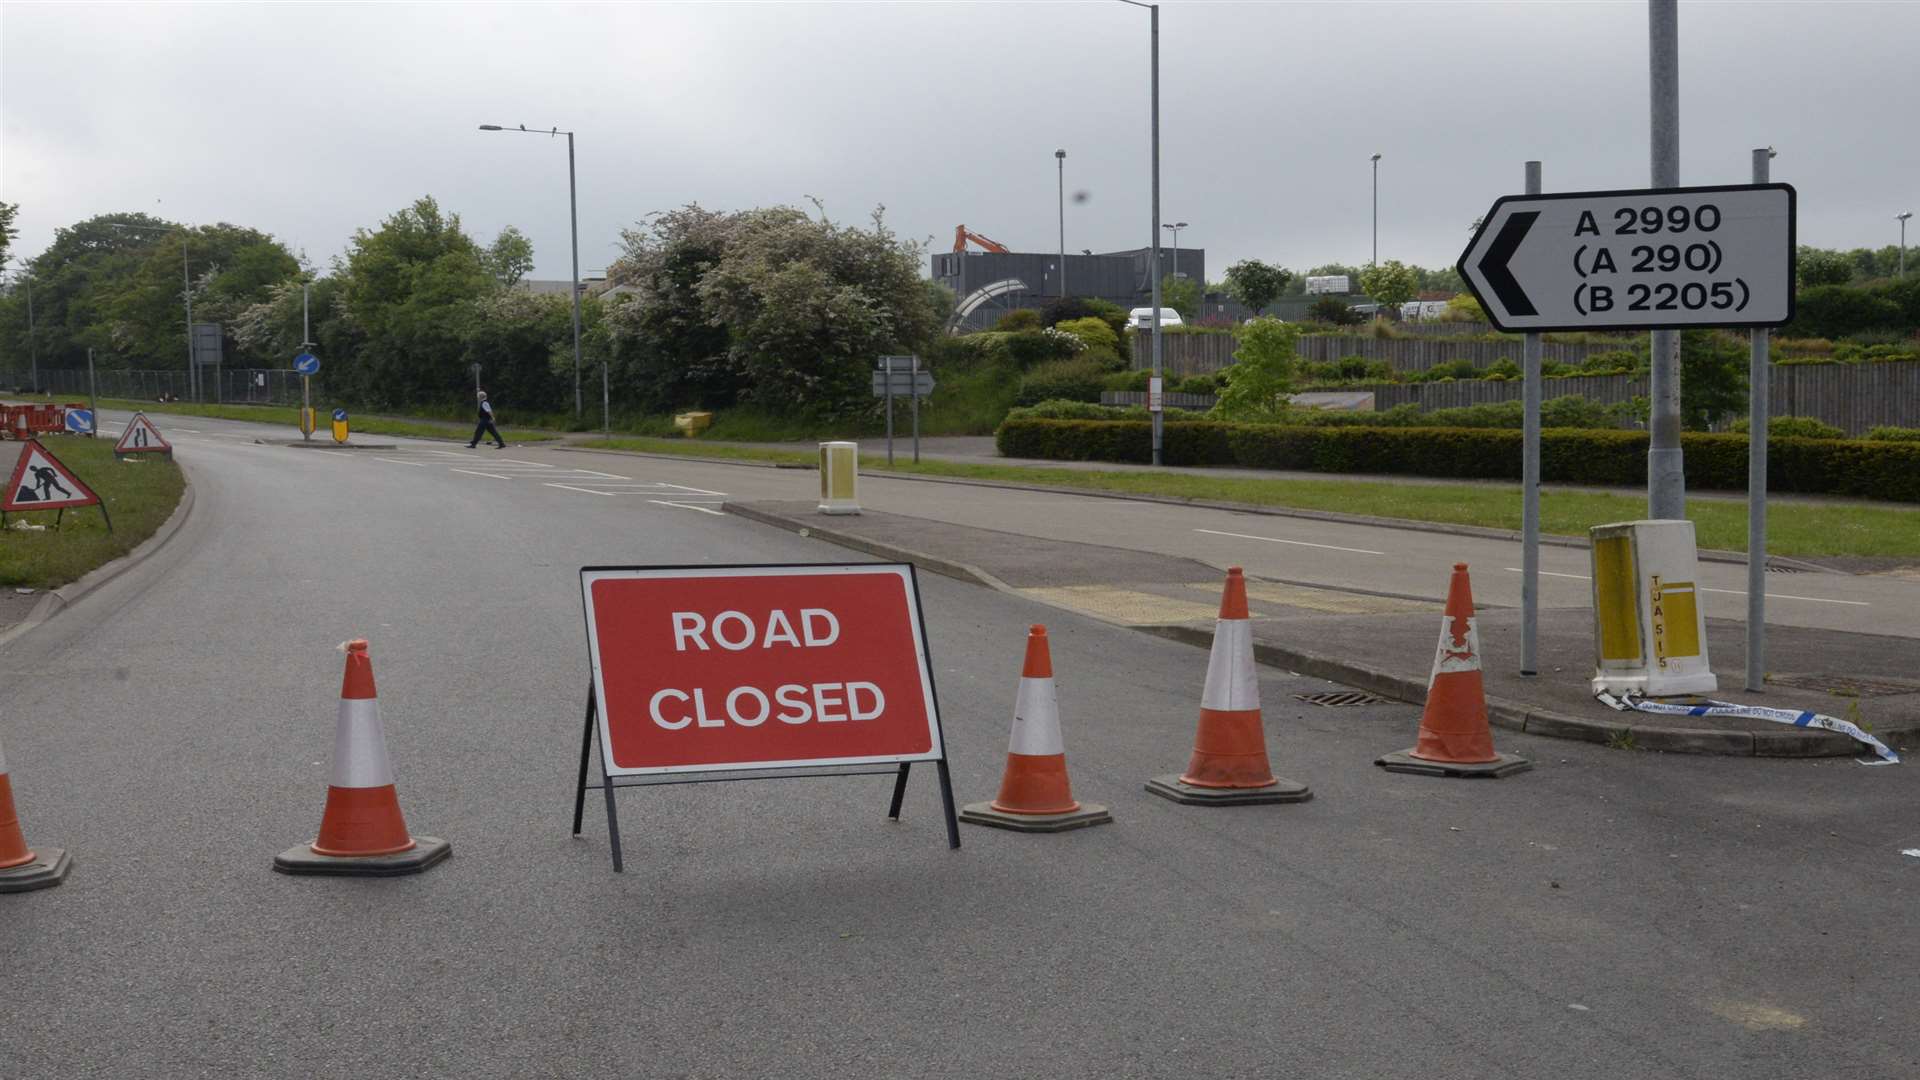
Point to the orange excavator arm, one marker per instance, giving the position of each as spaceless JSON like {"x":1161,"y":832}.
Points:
{"x":962,"y":234}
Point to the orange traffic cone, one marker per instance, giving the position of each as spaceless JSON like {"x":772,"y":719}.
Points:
{"x":362,"y":831}
{"x":22,"y":870}
{"x":1454,"y":737}
{"x":1229,"y":765}
{"x":1034,"y":793}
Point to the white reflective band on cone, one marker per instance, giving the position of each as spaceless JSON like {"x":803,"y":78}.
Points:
{"x":1231,"y":684}
{"x":1449,"y":658}
{"x":1755,"y":712}
{"x":360,"y":746}
{"x":1036,"y":720}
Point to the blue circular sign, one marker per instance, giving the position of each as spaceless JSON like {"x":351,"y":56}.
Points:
{"x":339,"y":416}
{"x":306,"y":364}
{"x":79,"y":421}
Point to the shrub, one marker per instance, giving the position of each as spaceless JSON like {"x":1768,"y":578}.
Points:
{"x":1832,"y":311}
{"x":1030,"y":347}
{"x":1261,"y":377}
{"x":1197,"y":384}
{"x":1464,"y":308}
{"x":1017,"y":320}
{"x":1882,"y":470}
{"x":1068,"y":380}
{"x":1102,"y":343}
{"x":1135,"y":381}
{"x":1451,"y":369}
{"x":1894,"y":434}
{"x":1349,"y":369}
{"x":1612,"y":362}
{"x":1501,"y":371}
{"x":1792,"y":427}
{"x":1332,"y":309}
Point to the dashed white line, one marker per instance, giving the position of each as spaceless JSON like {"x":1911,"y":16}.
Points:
{"x":517,"y":461}
{"x":694,"y":490}
{"x":601,"y":475}
{"x":686,"y":506}
{"x":1724,"y":592}
{"x":398,"y":461}
{"x":570,"y":487}
{"x":1295,"y":543}
{"x":470,"y":472}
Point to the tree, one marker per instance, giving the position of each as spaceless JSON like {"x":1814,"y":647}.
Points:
{"x":1256,"y":284}
{"x":1389,"y":284}
{"x":1464,"y":308}
{"x":1180,"y":294}
{"x":1260,"y":379}
{"x":511,"y":256}
{"x":1332,"y":309}
{"x":1713,"y":378}
{"x":1818,"y":267}
{"x":8,"y":212}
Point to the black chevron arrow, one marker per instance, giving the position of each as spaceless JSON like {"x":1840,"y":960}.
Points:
{"x":1493,"y":265}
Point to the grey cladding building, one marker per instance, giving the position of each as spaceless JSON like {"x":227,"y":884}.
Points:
{"x":989,"y":284}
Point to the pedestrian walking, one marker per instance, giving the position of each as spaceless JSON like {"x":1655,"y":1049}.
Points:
{"x":485,"y":426}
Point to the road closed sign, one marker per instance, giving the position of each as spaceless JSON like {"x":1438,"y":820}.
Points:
{"x":762,"y":667}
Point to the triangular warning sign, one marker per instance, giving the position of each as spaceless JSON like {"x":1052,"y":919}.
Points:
{"x":142,"y":437}
{"x":40,"y":482}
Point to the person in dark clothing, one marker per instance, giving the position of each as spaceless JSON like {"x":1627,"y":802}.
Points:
{"x":485,"y":426}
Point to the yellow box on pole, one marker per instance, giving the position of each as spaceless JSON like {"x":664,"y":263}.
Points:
{"x":1649,"y":628}
{"x":691,"y":424}
{"x":839,"y":478}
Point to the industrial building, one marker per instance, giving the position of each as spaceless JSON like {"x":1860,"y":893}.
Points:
{"x":988,"y":284}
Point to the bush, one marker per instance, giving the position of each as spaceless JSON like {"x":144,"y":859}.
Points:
{"x":1451,"y":369}
{"x":1792,"y":427}
{"x":1333,"y":310}
{"x":1832,"y":311}
{"x":1030,"y":347}
{"x":1135,"y":381}
{"x":1196,"y":384}
{"x":1612,"y":362}
{"x":1068,"y":380}
{"x":1501,"y":371}
{"x":1881,"y":470}
{"x":1463,"y":308}
{"x":1017,"y":320}
{"x":1102,"y":343}
{"x":1349,"y":369}
{"x":1893,"y":434}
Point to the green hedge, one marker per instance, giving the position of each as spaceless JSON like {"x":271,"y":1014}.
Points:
{"x":1879,"y":470}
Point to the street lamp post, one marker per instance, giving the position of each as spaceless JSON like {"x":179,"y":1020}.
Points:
{"x":1153,"y":266}
{"x":1060,"y":161}
{"x":1376,"y":211}
{"x":1901,"y":218}
{"x":573,"y":214}
{"x":1175,"y":228}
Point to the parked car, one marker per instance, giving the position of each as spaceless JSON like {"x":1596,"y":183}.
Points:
{"x":1141,"y":318}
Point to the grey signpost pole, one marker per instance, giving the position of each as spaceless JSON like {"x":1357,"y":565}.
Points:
{"x":1757,"y":394}
{"x":186,"y":281}
{"x":306,"y":381}
{"x":93,"y":429}
{"x":1666,"y":473}
{"x":1530,"y":486}
{"x":1154,"y":266}
{"x":888,"y":376}
{"x":33,"y":341}
{"x":914,"y":367}
{"x":1060,"y":158}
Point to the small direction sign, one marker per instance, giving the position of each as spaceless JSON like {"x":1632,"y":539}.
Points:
{"x":903,"y":383}
{"x":80,"y":421}
{"x":306,"y":364}
{"x":1636,"y":260}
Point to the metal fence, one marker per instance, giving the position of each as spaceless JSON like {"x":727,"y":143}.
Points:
{"x":243,"y":386}
{"x":1195,"y":354}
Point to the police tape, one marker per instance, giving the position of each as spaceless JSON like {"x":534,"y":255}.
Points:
{"x":1628,"y":701}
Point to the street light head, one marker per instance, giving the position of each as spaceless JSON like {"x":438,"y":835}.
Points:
{"x":489,"y":127}
{"x":1060,"y":154}
{"x":1903,"y":217}
{"x":1376,"y":157}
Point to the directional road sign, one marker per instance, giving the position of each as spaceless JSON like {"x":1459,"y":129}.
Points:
{"x":1636,"y":260}
{"x":80,"y":421}
{"x":306,"y":364}
{"x":905,"y":383}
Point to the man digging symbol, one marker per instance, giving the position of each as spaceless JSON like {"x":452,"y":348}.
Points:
{"x":46,"y":479}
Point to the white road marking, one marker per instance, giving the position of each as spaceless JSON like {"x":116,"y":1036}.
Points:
{"x":696,"y":491}
{"x":570,"y":487}
{"x":1296,"y":543}
{"x":1726,"y":592}
{"x":517,"y":461}
{"x":470,"y":472}
{"x":601,"y":475}
{"x":397,"y":461}
{"x":685,"y":506}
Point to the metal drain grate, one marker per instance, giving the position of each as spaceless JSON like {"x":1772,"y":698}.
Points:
{"x":1772,"y":569}
{"x":1336,"y":699}
{"x":1847,"y":685}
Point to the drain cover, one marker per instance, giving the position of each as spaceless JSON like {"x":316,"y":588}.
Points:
{"x":1772,"y":569}
{"x":1847,"y":685}
{"x":1335,"y":699}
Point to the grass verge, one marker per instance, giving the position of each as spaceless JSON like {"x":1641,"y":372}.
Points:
{"x":1793,"y":528}
{"x":140,"y":494}
{"x":289,"y":416}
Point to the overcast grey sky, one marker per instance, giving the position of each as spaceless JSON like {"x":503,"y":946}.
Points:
{"x":309,"y":120}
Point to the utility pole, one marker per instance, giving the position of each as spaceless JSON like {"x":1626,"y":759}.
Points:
{"x":1154,"y":264}
{"x":1666,"y":471}
{"x":1060,"y":161}
{"x":1376,"y":211}
{"x":1901,"y":218}
{"x":186,"y":282}
{"x":33,"y":341}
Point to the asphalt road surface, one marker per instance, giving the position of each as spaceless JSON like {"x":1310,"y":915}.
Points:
{"x":1609,"y":914}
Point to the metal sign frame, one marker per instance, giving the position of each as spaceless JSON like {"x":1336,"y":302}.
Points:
{"x":1493,"y":214}
{"x":896,"y":765}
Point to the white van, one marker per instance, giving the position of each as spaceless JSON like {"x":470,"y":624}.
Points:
{"x":1141,"y":318}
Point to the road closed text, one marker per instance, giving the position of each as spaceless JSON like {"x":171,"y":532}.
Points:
{"x":758,"y":666}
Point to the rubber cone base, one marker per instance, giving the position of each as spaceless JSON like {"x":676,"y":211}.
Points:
{"x":427,"y":851}
{"x":48,"y":868}
{"x":1281,"y":790}
{"x":1405,"y":762}
{"x":983,"y":813}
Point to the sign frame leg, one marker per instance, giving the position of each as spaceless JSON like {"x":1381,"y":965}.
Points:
{"x":899,"y":791}
{"x":946,"y":804}
{"x":606,"y":785}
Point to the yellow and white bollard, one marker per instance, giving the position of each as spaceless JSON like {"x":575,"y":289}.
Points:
{"x":839,"y":478}
{"x":1649,"y":627}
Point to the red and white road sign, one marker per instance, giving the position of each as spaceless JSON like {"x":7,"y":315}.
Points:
{"x":41,"y":482}
{"x":758,"y":667}
{"x":142,"y":437}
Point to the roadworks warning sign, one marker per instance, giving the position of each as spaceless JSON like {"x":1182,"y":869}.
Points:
{"x":41,"y":482}
{"x":141,"y":437}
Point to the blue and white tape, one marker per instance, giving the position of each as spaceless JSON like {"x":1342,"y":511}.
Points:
{"x":1626,"y":702}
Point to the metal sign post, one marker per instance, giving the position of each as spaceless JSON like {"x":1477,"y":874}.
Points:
{"x":307,"y":365}
{"x":1757,"y":485}
{"x":1530,"y":485}
{"x":889,"y":381}
{"x":93,"y":399}
{"x":902,"y":375}
{"x":915,"y":372}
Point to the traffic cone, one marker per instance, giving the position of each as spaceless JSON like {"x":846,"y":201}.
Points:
{"x":1034,"y":793}
{"x":362,"y":831}
{"x":21,"y":869}
{"x":1454,"y":737}
{"x":1229,"y":765}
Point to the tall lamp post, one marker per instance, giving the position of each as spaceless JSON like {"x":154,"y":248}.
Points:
{"x":1376,"y":211}
{"x":1153,"y":266}
{"x":33,"y":343}
{"x":186,"y":283}
{"x":1060,"y":161}
{"x":1901,"y":218}
{"x":1175,"y":228}
{"x":573,"y":213}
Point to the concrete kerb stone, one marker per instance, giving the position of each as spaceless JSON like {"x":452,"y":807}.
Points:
{"x":1501,"y":713}
{"x":57,"y":600}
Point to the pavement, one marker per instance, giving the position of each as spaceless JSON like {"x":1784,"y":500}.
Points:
{"x":1606,"y":914}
